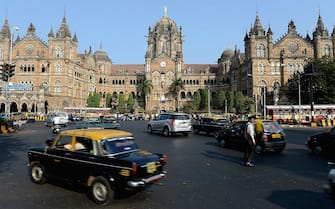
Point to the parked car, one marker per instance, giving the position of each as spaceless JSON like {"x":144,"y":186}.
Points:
{"x":103,"y":161}
{"x":210,"y":125}
{"x":269,"y":136}
{"x":322,"y":143}
{"x":329,"y":187}
{"x":169,"y":123}
{"x":57,"y":118}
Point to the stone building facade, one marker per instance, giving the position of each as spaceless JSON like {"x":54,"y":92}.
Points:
{"x":59,"y":76}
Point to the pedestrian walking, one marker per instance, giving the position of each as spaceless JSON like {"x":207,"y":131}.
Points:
{"x":250,"y":137}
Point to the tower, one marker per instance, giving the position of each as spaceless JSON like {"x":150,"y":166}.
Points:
{"x":164,"y":62}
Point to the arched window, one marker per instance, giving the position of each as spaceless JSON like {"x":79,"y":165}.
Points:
{"x":326,"y":50}
{"x":260,"y":50}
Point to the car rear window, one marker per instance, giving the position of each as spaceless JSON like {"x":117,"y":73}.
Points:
{"x":180,"y":117}
{"x":119,"y":145}
{"x":271,"y":126}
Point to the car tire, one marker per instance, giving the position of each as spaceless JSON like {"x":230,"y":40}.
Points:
{"x":150,"y":129}
{"x":166,"y":131}
{"x":258,"y":149}
{"x":37,"y":174}
{"x":101,"y":191}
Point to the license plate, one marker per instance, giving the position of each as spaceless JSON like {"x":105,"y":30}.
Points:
{"x":151,"y":167}
{"x":276,"y":136}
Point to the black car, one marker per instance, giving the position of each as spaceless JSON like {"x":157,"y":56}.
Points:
{"x":102,"y":160}
{"x":269,"y":136}
{"x":322,"y":143}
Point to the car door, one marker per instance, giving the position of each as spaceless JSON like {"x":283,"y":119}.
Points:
{"x":59,"y":157}
{"x":83,"y":159}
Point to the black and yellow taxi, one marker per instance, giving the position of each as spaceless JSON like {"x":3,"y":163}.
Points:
{"x":269,"y":136}
{"x":102,"y":160}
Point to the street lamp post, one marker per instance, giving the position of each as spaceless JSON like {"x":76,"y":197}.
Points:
{"x":209,"y":99}
{"x":264,"y":106}
{"x":14,"y":28}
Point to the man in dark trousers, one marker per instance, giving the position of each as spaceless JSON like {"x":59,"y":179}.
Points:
{"x":250,"y":137}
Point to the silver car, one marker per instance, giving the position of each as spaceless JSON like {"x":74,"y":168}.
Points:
{"x":169,"y":123}
{"x":57,"y":118}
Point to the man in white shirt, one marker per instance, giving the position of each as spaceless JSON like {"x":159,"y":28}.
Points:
{"x":250,"y":142}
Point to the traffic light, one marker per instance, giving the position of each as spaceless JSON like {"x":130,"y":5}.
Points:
{"x":11,"y":70}
{"x":5,"y":72}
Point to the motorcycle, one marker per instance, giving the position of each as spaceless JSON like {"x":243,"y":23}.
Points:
{"x":56,"y":128}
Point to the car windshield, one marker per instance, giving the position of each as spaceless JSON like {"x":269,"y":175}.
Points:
{"x":118,"y":146}
{"x":61,"y":114}
{"x":271,"y":126}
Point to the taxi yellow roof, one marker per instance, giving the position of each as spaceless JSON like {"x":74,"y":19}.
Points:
{"x":97,"y":134}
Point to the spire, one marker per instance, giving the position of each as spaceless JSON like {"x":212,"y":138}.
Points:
{"x":258,"y":29}
{"x":63,"y":30}
{"x":291,"y":28}
{"x":5,"y":31}
{"x":165,"y":11}
{"x":51,"y":33}
{"x":320,"y":28}
{"x":31,"y":30}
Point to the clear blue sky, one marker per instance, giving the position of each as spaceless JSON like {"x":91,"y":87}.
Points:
{"x":121,"y":26}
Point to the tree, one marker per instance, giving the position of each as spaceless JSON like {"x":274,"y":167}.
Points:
{"x":240,"y":102}
{"x":197,"y":100}
{"x":220,"y":102}
{"x":230,"y":101}
{"x":93,"y":99}
{"x":131,"y":101}
{"x":318,"y":76}
{"x":144,"y":87}
{"x":108,"y":100}
{"x":176,"y":86}
{"x":122,"y":103}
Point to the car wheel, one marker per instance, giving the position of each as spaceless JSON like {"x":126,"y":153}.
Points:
{"x":150,"y":129}
{"x":318,"y":150}
{"x":166,"y":131}
{"x":100,"y":191}
{"x":258,"y":149}
{"x":37,"y":174}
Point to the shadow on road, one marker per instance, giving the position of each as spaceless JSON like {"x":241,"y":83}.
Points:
{"x":300,"y":199}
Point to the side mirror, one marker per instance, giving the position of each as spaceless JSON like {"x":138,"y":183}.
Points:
{"x":49,"y":142}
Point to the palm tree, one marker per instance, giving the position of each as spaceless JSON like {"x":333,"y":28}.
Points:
{"x":144,"y":88}
{"x":175,"y":88}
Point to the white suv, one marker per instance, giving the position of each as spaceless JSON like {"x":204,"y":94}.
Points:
{"x":57,"y":118}
{"x":171,"y":123}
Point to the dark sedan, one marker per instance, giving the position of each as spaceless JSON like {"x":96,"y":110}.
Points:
{"x":322,"y":143}
{"x":269,"y":136}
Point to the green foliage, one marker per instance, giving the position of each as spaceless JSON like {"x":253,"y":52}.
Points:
{"x":131,"y":101}
{"x":109,"y":100}
{"x":93,"y":99}
{"x":144,"y":88}
{"x":318,"y":76}
{"x":122,"y":102}
{"x":197,"y":100}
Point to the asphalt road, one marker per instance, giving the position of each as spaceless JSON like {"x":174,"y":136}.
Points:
{"x":201,"y":175}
